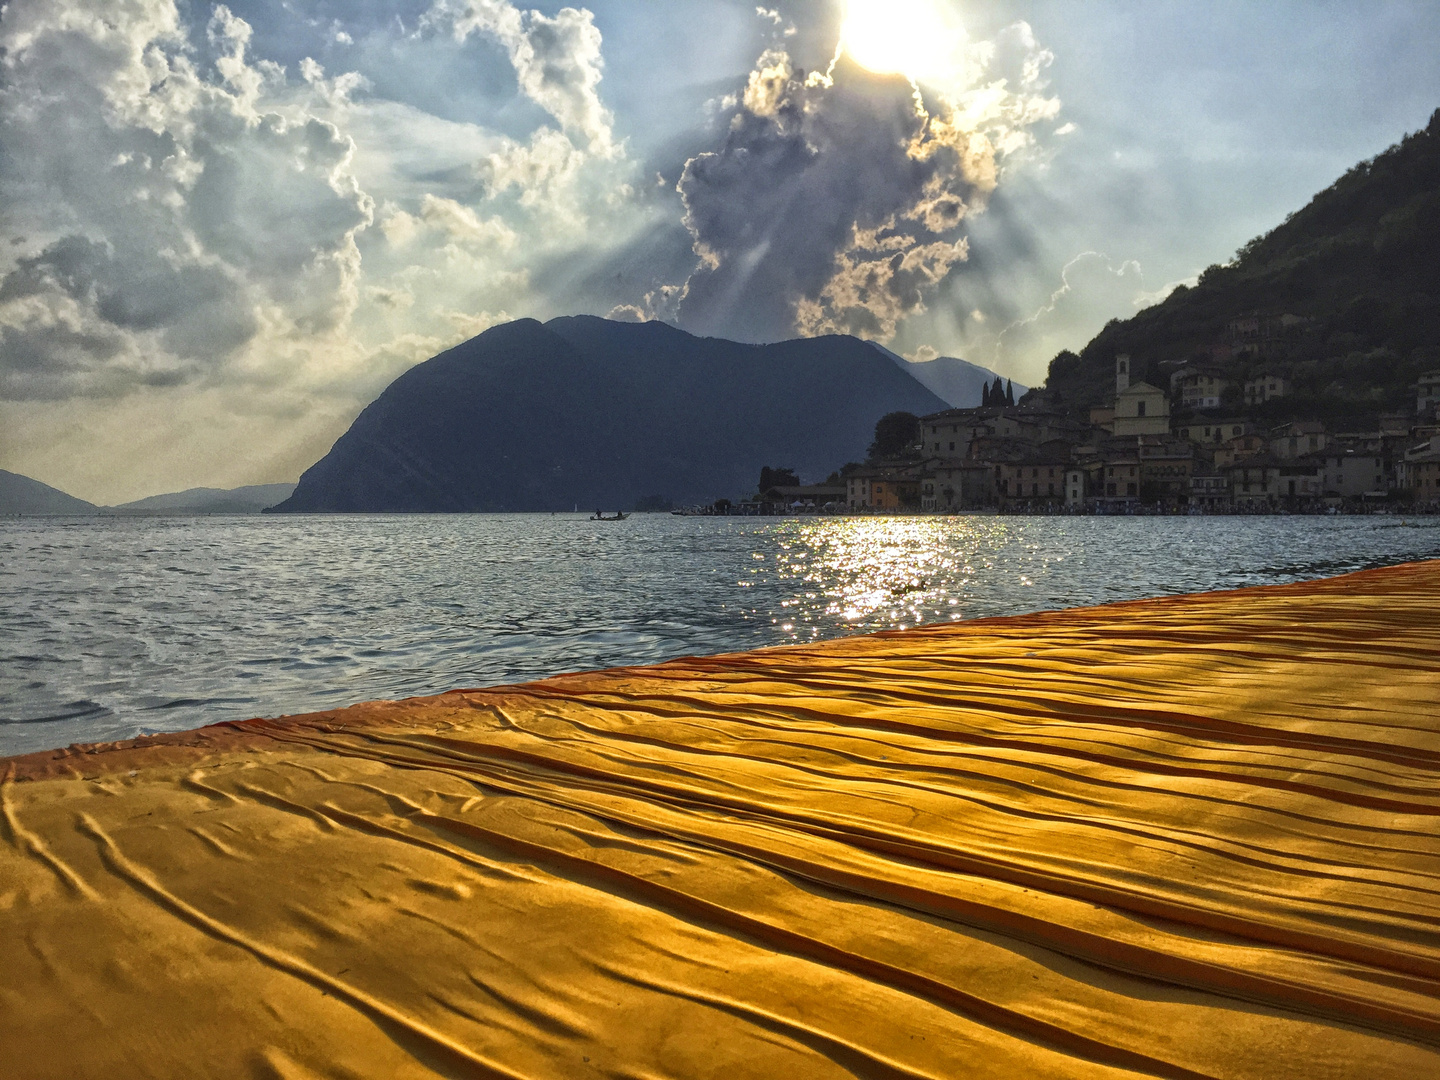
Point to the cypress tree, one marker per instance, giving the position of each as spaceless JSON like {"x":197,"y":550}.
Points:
{"x":1009,"y":393}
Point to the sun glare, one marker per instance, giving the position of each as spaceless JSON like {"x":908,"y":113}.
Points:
{"x":897,"y":37}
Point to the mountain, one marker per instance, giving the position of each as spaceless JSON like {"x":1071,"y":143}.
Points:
{"x":585,"y":411}
{"x":21,"y":495}
{"x":241,"y":500}
{"x":958,"y":382}
{"x":1356,"y":270}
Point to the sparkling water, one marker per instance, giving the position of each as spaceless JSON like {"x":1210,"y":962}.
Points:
{"x":110,"y":627}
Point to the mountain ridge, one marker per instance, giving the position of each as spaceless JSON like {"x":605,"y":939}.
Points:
{"x":588,"y":411}
{"x":248,"y":499}
{"x":1356,"y":270}
{"x":958,"y":382}
{"x":24,"y":495}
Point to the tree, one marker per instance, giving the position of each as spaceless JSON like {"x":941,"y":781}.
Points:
{"x":1009,"y":393}
{"x":772,"y":478}
{"x":985,"y":395}
{"x":897,"y":434}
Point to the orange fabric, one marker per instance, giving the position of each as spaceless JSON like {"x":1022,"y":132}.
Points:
{"x":1179,"y":838}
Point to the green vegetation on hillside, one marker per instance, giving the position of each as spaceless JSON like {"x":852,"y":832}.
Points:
{"x":1358,"y":268}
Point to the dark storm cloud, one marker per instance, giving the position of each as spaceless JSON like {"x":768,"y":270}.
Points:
{"x":835,"y":201}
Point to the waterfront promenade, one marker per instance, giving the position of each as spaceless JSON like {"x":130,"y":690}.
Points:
{"x":1186,"y":837}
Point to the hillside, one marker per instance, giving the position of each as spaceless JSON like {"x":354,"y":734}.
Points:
{"x":203,"y":500}
{"x":21,"y":495}
{"x":958,"y":382}
{"x":584,"y":411}
{"x":1358,"y":271}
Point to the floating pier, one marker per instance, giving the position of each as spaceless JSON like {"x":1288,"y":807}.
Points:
{"x":1187,"y":837}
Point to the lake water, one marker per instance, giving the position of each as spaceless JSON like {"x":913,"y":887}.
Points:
{"x":110,"y":627}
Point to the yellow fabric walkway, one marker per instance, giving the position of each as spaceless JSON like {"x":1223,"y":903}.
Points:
{"x":1177,"y":838}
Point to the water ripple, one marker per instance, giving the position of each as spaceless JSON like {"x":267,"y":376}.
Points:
{"x":110,"y":627}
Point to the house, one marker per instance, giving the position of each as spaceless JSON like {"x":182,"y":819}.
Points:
{"x":1197,"y":387}
{"x":1212,"y":432}
{"x":1351,"y":474}
{"x":1165,"y":469}
{"x":1239,"y":448}
{"x":1039,"y":478}
{"x":1245,"y":328}
{"x":1141,"y":409}
{"x":1249,"y":333}
{"x":957,"y":484}
{"x":1209,"y":489}
{"x":950,"y":432}
{"x":885,"y":487}
{"x":1298,"y":439}
{"x":1300,"y":480}
{"x":1427,"y":392}
{"x":1254,"y":482}
{"x":1420,"y":476}
{"x":1077,"y":485}
{"x":1264,"y":387}
{"x":1120,"y":476}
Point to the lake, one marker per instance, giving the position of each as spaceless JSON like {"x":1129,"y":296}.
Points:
{"x":110,"y":627}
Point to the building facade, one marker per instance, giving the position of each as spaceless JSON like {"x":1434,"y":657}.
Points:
{"x":1198,"y":388}
{"x":1141,"y":409}
{"x":1264,"y":387}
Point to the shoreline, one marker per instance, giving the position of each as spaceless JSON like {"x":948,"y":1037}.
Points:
{"x":1187,"y":835}
{"x":255,"y":731}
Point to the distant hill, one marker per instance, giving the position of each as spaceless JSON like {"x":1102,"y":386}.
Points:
{"x":584,"y":411}
{"x":1360,"y":265}
{"x":958,"y":382}
{"x":203,"y":500}
{"x":21,"y":495}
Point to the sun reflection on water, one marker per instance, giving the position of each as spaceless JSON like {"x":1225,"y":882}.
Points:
{"x":876,"y":573}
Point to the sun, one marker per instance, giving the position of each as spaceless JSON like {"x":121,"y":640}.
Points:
{"x":913,"y":38}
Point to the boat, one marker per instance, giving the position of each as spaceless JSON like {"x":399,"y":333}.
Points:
{"x":598,"y":516}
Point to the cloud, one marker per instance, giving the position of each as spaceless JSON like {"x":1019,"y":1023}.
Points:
{"x":1092,"y":288}
{"x":1155,"y":296}
{"x":176,"y":219}
{"x":834,"y":201}
{"x":557,"y":60}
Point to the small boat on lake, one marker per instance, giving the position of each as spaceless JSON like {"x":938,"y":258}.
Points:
{"x":598,"y":516}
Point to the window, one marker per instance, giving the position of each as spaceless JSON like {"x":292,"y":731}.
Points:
{"x":952,"y":446}
{"x":1140,"y":408}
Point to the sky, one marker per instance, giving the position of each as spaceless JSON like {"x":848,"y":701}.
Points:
{"x":224,"y":229}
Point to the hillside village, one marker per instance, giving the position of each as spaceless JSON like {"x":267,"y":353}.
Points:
{"x":1301,"y":375}
{"x":1183,"y":439}
{"x":1173,"y":438}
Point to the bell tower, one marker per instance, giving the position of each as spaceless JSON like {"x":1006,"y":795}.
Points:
{"x":1122,"y":372}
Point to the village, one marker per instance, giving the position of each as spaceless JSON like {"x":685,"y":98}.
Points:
{"x":1151,"y":450}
